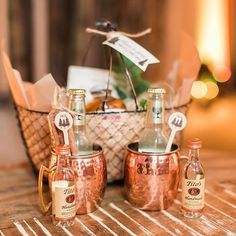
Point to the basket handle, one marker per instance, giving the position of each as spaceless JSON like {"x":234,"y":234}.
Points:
{"x":44,"y":207}
{"x":104,"y":26}
{"x":128,"y":76}
{"x":130,"y":81}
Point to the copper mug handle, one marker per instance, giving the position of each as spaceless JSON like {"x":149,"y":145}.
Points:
{"x":44,"y":207}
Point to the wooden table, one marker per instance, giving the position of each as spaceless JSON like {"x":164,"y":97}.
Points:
{"x":20,"y":212}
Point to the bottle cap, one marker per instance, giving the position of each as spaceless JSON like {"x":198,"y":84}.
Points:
{"x":77,"y":91}
{"x":194,"y":143}
{"x":63,"y":149}
{"x":157,"y":90}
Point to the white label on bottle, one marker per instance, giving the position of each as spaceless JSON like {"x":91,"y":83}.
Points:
{"x":79,"y":116}
{"x":132,"y":50}
{"x":79,"y":119}
{"x":64,"y":205}
{"x":193,"y":194}
{"x":157,"y":113}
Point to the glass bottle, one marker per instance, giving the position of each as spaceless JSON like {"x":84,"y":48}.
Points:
{"x":63,"y":189}
{"x":193,"y":182}
{"x":112,"y":104}
{"x":153,"y":138}
{"x":77,"y":105}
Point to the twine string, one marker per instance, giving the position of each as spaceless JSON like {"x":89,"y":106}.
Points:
{"x":108,"y":34}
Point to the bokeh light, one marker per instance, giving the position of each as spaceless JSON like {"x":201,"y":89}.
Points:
{"x":214,"y":36}
{"x":199,"y":89}
{"x":221,"y":73}
{"x":212,"y":89}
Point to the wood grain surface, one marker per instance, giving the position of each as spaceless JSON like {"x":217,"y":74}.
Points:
{"x":20,"y":212}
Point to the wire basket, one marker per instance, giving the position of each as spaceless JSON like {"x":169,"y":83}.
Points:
{"x":112,"y":130}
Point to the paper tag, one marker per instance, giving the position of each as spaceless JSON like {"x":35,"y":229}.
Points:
{"x":132,"y":50}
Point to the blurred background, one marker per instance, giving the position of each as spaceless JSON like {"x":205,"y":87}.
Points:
{"x":47,"y":36}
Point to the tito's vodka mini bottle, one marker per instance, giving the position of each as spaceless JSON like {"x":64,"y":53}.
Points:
{"x":193,"y":182}
{"x":63,"y":189}
{"x":153,"y":138}
{"x":77,"y":105}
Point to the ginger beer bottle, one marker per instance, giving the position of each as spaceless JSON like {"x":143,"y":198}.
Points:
{"x":77,"y":105}
{"x":193,"y":182}
{"x":153,"y":138}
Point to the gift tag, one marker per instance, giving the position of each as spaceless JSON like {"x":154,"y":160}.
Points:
{"x":177,"y":121}
{"x":63,"y":121}
{"x":132,"y":50}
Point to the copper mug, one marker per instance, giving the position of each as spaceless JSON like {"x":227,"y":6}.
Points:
{"x":90,"y":180}
{"x":151,"y":180}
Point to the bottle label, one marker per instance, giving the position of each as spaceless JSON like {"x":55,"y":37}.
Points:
{"x":156,"y":113}
{"x":193,"y":194}
{"x":79,"y":117}
{"x":64,"y":204}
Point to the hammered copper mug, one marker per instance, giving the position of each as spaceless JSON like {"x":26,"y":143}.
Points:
{"x":151,"y":180}
{"x":90,"y":179}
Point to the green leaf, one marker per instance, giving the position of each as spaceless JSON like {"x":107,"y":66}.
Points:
{"x":143,"y":104}
{"x":121,"y":80}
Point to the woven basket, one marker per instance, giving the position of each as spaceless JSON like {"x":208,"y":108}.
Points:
{"x":113,"y":131}
{"x":36,"y":136}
